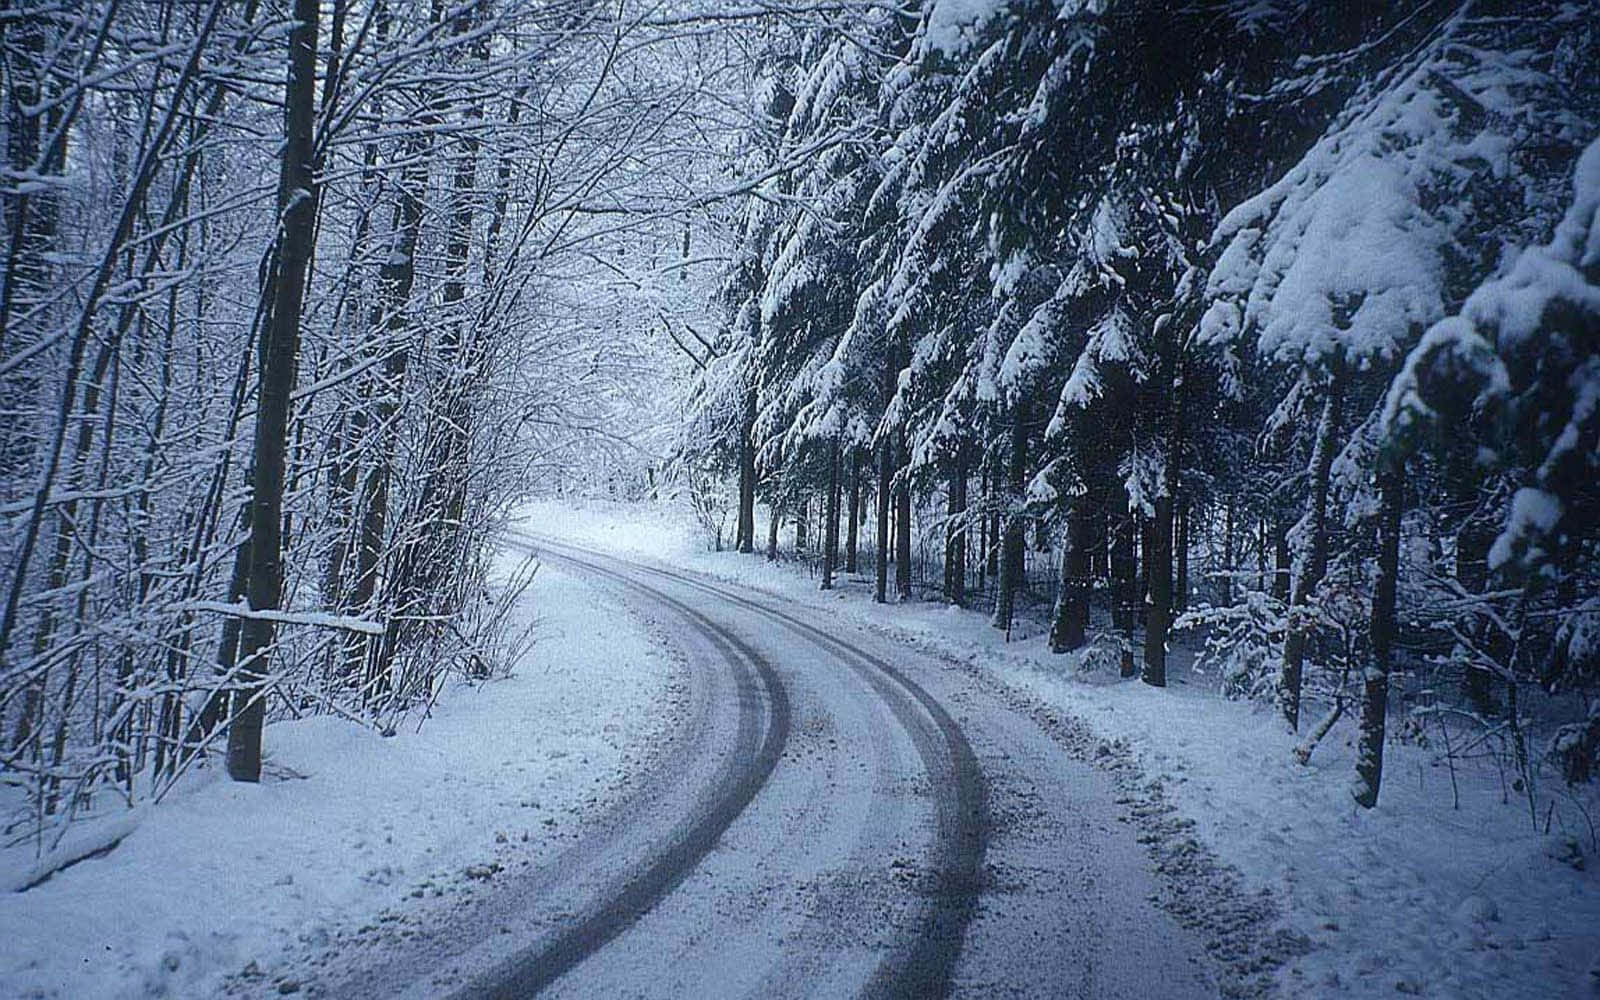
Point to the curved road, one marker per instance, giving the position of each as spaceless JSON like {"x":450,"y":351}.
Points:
{"x":842,"y":816}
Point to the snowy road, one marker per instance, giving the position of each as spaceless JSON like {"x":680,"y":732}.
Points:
{"x":838,"y":816}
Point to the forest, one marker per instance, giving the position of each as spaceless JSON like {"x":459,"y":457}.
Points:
{"x":1309,"y":291}
{"x":1269,"y":327}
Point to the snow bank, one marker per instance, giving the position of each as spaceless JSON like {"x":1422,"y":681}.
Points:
{"x":345,"y":824}
{"x":953,"y":26}
{"x":1413,"y":898}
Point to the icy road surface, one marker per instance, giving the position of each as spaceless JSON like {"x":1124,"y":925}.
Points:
{"x":838,"y":816}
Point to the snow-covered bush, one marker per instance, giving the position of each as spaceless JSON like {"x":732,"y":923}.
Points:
{"x":1243,"y":641}
{"x":712,"y":501}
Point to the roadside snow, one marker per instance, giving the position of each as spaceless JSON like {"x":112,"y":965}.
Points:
{"x":347,"y":825}
{"x":1413,"y":898}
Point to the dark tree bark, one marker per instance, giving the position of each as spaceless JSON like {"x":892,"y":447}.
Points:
{"x":991,"y":530}
{"x":830,"y":524}
{"x":279,"y":346}
{"x":1146,"y":529}
{"x":215,"y":711}
{"x":1311,"y":569}
{"x":889,"y":376}
{"x":902,"y":532}
{"x":1473,"y":541}
{"x":1472,"y":571}
{"x":992,"y":550}
{"x":30,"y":215}
{"x":1014,"y":543}
{"x":1125,"y":582}
{"x":1227,"y":553}
{"x":1158,"y":612}
{"x":1261,"y":554}
{"x":1375,"y":689}
{"x":396,"y":278}
{"x":1159,"y":561}
{"x":345,"y":469}
{"x":1069,"y":626}
{"x":745,"y":533}
{"x":29,"y":219}
{"x":1280,"y":557}
{"x":880,"y":558}
{"x":802,"y":525}
{"x":1099,"y":549}
{"x":893,"y":509}
{"x":773,"y":524}
{"x":955,"y":537}
{"x":851,"y":545}
{"x":430,"y":554}
{"x":1180,"y":590}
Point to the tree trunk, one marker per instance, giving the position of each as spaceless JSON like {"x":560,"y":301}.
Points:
{"x":989,"y":566}
{"x":431,"y":556}
{"x":1280,"y":558}
{"x":1310,"y":570}
{"x":830,"y":524}
{"x":1125,"y":582}
{"x":1180,"y":590}
{"x":1375,"y":689}
{"x":1015,"y":540}
{"x":30,"y":216}
{"x":392,"y":314}
{"x":29,"y":219}
{"x":215,"y":711}
{"x":1099,"y":549}
{"x":1070,"y":624}
{"x":745,"y":533}
{"x":955,"y":537}
{"x":851,"y":545}
{"x":69,"y":537}
{"x":880,"y":586}
{"x":1472,"y":551}
{"x":991,"y":560}
{"x":773,"y":523}
{"x":902,"y":533}
{"x":279,"y":347}
{"x":1473,"y":541}
{"x":1227,"y":553}
{"x":1146,"y":531}
{"x":344,"y":462}
{"x":1261,"y":555}
{"x":893,"y":509}
{"x":1159,"y":620}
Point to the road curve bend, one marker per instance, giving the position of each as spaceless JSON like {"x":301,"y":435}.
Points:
{"x":842,"y":817}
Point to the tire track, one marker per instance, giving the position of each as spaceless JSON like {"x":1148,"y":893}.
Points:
{"x":759,"y":744}
{"x":924,"y":967}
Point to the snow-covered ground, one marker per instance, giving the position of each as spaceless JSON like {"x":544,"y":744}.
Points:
{"x":1416,"y":897}
{"x":349,"y":829}
{"x":352,"y":830}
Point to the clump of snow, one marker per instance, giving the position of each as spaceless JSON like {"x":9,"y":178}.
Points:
{"x":1534,"y":513}
{"x":952,"y":26}
{"x":225,"y":879}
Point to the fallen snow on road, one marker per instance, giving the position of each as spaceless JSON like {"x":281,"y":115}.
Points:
{"x":1417,"y":897}
{"x":348,"y":828}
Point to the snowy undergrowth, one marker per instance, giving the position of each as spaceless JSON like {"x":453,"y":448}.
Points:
{"x":1415,"y":897}
{"x":348,"y":828}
